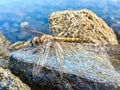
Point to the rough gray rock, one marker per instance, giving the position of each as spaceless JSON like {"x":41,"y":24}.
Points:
{"x":10,"y":82}
{"x":86,"y":67}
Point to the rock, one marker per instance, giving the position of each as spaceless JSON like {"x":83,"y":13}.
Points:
{"x":10,"y":82}
{"x":85,"y":67}
{"x":4,"y":51}
{"x":4,"y":40}
{"x":4,"y":63}
{"x":7,"y":80}
{"x":15,"y":45}
{"x":4,"y":44}
{"x":82,"y":24}
{"x":19,"y":45}
{"x":117,"y":32}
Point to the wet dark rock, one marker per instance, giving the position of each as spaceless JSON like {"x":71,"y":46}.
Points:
{"x":86,"y":67}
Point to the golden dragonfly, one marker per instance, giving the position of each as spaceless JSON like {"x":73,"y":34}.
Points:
{"x":45,"y":42}
{"x":42,"y":36}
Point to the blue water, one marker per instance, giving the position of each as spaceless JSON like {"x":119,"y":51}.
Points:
{"x":36,"y":12}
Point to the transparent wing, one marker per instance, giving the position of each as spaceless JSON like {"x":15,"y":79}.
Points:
{"x":26,"y":27}
{"x":42,"y":57}
{"x":60,"y":57}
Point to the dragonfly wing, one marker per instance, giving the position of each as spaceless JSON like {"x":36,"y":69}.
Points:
{"x":25,"y":27}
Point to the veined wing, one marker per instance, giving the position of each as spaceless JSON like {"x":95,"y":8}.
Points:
{"x":25,"y":27}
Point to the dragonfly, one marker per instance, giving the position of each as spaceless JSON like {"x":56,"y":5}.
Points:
{"x":46,"y":41}
{"x":42,"y":36}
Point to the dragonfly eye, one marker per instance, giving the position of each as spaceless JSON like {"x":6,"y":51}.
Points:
{"x":36,"y":39}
